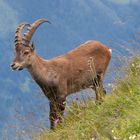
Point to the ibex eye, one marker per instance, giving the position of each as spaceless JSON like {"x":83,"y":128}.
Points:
{"x":26,"y":52}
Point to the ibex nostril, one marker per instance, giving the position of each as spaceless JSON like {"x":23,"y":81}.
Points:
{"x":12,"y":65}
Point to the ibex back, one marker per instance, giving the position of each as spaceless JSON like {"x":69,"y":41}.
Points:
{"x":81,"y":68}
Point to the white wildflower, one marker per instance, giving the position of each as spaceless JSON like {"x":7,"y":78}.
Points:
{"x":134,"y":136}
{"x":109,"y":84}
{"x":23,"y":131}
{"x":133,"y":65}
{"x":112,"y":131}
{"x":131,"y":137}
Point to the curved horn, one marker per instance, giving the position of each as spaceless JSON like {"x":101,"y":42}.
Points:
{"x":18,"y":34}
{"x":31,"y":29}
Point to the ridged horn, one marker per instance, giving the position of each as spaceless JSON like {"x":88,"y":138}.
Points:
{"x":18,"y":33}
{"x":30,"y":31}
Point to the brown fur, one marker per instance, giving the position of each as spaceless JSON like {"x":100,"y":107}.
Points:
{"x":66,"y":74}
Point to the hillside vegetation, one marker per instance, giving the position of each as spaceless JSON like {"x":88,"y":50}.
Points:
{"x":117,"y":118}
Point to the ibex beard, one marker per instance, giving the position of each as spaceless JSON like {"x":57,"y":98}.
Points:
{"x":80,"y":68}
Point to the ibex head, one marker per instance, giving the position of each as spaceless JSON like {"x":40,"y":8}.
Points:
{"x":24,"y":52}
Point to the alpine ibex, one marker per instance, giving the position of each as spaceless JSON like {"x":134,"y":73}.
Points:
{"x":63,"y":75}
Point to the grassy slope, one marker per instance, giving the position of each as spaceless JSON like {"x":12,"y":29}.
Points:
{"x":117,"y":118}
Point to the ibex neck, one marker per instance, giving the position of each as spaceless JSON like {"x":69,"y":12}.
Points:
{"x":37,"y":68}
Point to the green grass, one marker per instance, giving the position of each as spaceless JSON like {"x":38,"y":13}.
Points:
{"x":117,"y":118}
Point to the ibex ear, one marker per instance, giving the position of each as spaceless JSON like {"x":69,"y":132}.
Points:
{"x":32,"y":46}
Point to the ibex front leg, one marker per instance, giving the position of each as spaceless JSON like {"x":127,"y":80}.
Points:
{"x":56,"y":111}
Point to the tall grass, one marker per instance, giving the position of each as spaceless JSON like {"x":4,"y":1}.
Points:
{"x":117,"y":118}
